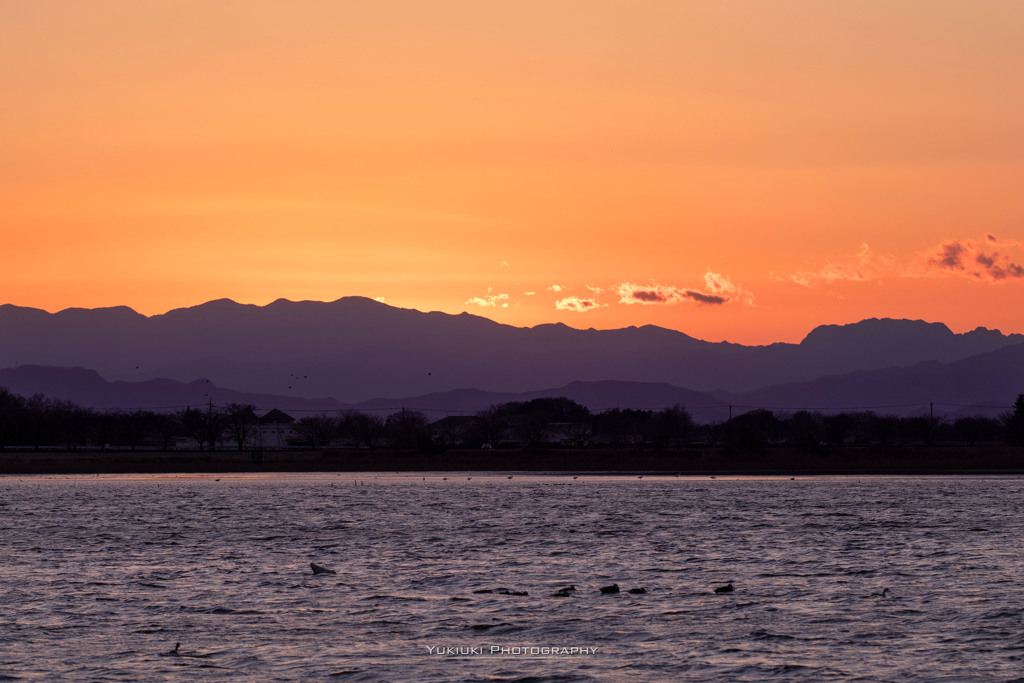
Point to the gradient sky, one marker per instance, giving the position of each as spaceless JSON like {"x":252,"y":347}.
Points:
{"x":735,"y":169}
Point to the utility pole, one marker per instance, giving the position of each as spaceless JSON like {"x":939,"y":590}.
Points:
{"x":931,"y":421}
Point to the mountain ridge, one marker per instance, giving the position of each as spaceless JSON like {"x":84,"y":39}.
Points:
{"x":354,"y":349}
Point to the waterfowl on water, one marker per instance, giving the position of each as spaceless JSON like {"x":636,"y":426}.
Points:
{"x":727,"y":588}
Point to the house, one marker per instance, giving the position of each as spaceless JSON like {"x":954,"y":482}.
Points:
{"x":453,"y":430}
{"x":275,"y":430}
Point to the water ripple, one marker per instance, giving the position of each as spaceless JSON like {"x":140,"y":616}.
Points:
{"x":835,"y":578}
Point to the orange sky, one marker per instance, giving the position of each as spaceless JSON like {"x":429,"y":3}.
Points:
{"x":733,"y":169}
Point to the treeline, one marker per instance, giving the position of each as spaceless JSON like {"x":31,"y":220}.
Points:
{"x":38,"y":422}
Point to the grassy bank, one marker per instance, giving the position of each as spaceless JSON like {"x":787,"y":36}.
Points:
{"x":877,"y":460}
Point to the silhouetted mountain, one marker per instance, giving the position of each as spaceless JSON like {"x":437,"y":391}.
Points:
{"x":597,"y":396}
{"x":87,"y":389}
{"x":880,"y":343}
{"x":985,"y":384}
{"x":354,"y":349}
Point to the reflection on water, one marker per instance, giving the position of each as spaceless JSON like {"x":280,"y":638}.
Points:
{"x":466,"y":577}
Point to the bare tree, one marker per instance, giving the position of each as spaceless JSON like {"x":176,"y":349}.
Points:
{"x":69,"y":421}
{"x":167,"y":426}
{"x":37,"y":420}
{"x":104,"y":427}
{"x":12,"y":416}
{"x":578,"y":433}
{"x":671,"y":426}
{"x":405,"y":428}
{"x":204,"y":426}
{"x":362,"y":428}
{"x":136,"y":425}
{"x":490,"y":422}
{"x":451,"y":430}
{"x":315,"y":431}
{"x":240,"y":419}
{"x":531,"y":427}
{"x":1013,"y":422}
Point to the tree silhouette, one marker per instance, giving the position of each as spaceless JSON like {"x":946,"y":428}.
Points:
{"x":671,"y":426}
{"x":12,"y":416}
{"x":406,"y":428}
{"x":1013,"y":423}
{"x":240,"y":419}
{"x":135,"y":425}
{"x":167,"y":426}
{"x":104,"y":427}
{"x":532,"y":420}
{"x":204,"y":426}
{"x":806,"y":430}
{"x":623,"y":426}
{"x":362,"y":428}
{"x":68,"y":421}
{"x":752,"y":430}
{"x":490,"y":422}
{"x":975,"y":429}
{"x":315,"y":431}
{"x":838,"y":427}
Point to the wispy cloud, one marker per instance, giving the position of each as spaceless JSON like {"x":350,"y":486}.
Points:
{"x":577,"y":305}
{"x":555,"y":288}
{"x":864,"y":267}
{"x":718,"y":289}
{"x":490,"y":300}
{"x":991,"y":259}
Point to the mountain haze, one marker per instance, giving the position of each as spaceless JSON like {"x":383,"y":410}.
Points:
{"x":355,"y":349}
{"x":88,"y":389}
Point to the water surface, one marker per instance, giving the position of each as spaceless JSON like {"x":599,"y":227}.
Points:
{"x":101,"y":576}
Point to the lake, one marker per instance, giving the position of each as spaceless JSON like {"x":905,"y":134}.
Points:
{"x":465,"y":577}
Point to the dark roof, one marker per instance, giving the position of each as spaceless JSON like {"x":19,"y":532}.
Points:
{"x":453,"y":420}
{"x":275,"y":416}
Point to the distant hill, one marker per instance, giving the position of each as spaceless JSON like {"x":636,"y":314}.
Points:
{"x":87,"y":389}
{"x":597,"y":396}
{"x":355,"y":349}
{"x":985,"y":384}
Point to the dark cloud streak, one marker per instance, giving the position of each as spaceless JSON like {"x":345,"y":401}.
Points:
{"x":965,"y":257}
{"x":704,"y":298}
{"x":650,"y":297}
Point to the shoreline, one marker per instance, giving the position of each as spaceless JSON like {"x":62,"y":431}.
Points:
{"x":952,"y":460}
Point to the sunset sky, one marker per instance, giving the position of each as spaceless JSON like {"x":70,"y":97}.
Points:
{"x":739,"y":170}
